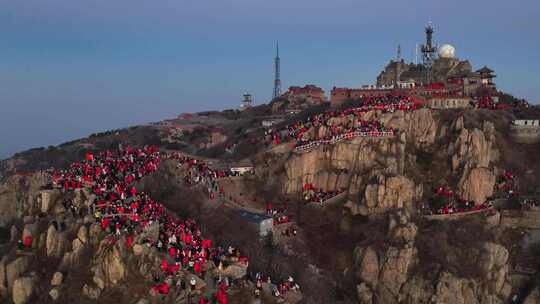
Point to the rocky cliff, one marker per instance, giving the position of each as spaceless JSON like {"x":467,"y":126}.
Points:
{"x":377,"y":171}
{"x":392,"y":273}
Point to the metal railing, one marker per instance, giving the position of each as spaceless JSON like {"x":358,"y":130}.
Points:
{"x":342,"y":137}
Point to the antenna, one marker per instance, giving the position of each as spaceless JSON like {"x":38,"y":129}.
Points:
{"x":416,"y":54}
{"x":277,"y":76}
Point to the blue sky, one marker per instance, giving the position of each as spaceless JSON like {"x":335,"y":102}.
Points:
{"x":70,"y":68}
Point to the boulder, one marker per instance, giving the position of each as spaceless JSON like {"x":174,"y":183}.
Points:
{"x":82,"y":234}
{"x":57,"y":279}
{"x":23,"y":289}
{"x":14,"y":233}
{"x":533,"y":297}
{"x":54,"y":294}
{"x":364,"y":294}
{"x":91,"y":292}
{"x":109,"y":267}
{"x":477,"y":185}
{"x":15,"y":269}
{"x":3,"y":279}
{"x":28,"y":219}
{"x":48,"y":199}
{"x":451,"y":289}
{"x":394,"y":271}
{"x":56,"y":242}
{"x":138,"y":249}
{"x":88,"y":219}
{"x":390,"y":193}
{"x":368,"y":268}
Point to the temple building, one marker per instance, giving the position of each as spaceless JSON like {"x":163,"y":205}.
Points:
{"x":442,"y":80}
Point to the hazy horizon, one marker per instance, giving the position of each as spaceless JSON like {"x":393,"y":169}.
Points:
{"x":70,"y":69}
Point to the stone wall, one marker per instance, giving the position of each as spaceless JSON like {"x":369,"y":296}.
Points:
{"x":525,"y":134}
{"x":449,"y":103}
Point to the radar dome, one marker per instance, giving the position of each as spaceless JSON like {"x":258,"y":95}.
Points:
{"x":447,"y":51}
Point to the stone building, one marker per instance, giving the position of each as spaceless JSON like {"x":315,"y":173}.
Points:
{"x":340,"y":95}
{"x":309,"y":94}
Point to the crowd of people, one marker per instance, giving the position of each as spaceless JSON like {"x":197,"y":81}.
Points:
{"x":123,"y":212}
{"x":349,"y":134}
{"x":199,"y":172}
{"x":445,"y":201}
{"x":277,"y":290}
{"x":357,"y":127}
{"x":319,"y":196}
{"x":506,"y":185}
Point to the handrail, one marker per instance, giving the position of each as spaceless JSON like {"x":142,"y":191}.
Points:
{"x":457,"y":214}
{"x":341,"y":137}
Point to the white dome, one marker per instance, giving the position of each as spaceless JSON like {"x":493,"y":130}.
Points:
{"x":447,"y":51}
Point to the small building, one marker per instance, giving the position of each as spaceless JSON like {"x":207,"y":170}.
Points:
{"x":263,"y":223}
{"x":310,"y":94}
{"x":486,"y":76}
{"x":246,"y":103}
{"x":340,"y":95}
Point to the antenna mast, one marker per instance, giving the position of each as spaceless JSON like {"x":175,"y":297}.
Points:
{"x":277,"y":76}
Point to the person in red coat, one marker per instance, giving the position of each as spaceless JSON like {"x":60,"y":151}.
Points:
{"x":27,"y":242}
{"x":164,"y":265}
{"x":221,"y":295}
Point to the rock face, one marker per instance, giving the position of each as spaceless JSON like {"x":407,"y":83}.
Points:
{"x":23,"y":289}
{"x":346,"y":164}
{"x":375,"y":171}
{"x":15,"y":269}
{"x":372,"y":169}
{"x":473,"y":156}
{"x":387,"y":274}
{"x":56,"y":242}
{"x":390,"y":193}
{"x":477,"y":185}
{"x":18,"y":196}
{"x":533,"y":297}
{"x":384,"y":273}
{"x":48,"y":199}
{"x":109,"y":267}
{"x":57,"y":279}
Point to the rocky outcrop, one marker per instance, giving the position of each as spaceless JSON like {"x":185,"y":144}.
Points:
{"x":48,"y":199}
{"x":394,"y":192}
{"x":386,"y":275}
{"x":23,"y":289}
{"x":15,"y":269}
{"x":420,"y":127}
{"x":477,"y":185}
{"x":18,"y":196}
{"x":372,"y":169}
{"x":56,"y":242}
{"x":533,"y":297}
{"x":109,"y":266}
{"x":473,"y":155}
{"x":345,"y":164}
{"x":57,"y":279}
